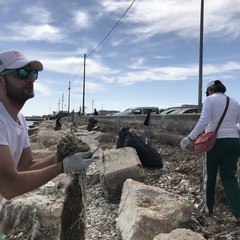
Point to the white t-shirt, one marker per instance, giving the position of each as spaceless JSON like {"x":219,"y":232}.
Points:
{"x":13,"y":134}
{"x":213,"y":107}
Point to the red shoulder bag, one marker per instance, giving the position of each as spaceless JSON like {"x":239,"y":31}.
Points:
{"x":206,"y":141}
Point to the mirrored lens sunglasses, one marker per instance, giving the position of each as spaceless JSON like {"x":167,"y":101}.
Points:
{"x":22,"y":73}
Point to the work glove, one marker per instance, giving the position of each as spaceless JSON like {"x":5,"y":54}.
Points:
{"x":185,"y":142}
{"x":77,"y":163}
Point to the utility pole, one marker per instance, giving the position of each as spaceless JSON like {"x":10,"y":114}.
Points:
{"x":69,"y":88}
{"x":92,"y":105}
{"x":50,"y":108}
{"x":200,"y":58}
{"x":62,"y":100}
{"x":84,"y":71}
{"x":59,"y":105}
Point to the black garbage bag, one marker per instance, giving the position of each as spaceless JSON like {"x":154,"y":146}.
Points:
{"x":147,"y":153}
{"x":93,"y":124}
{"x":121,"y":137}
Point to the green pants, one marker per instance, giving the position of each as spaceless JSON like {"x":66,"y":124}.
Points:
{"x":0,"y":236}
{"x":224,"y":156}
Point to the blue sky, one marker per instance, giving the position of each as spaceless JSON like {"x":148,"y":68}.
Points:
{"x":151,"y":57}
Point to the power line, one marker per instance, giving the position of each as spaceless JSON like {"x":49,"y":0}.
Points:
{"x":78,"y":71}
{"x":117,"y":23}
{"x":104,"y":43}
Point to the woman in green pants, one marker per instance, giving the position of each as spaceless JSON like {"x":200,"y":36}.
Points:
{"x":226,"y":151}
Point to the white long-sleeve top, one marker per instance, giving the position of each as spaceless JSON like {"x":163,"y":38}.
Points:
{"x":212,"y":110}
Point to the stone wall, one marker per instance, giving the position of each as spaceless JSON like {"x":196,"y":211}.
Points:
{"x":175,"y":126}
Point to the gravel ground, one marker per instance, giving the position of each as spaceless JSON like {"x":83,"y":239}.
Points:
{"x":181,"y":174}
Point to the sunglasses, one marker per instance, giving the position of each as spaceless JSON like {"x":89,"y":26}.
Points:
{"x":22,"y":73}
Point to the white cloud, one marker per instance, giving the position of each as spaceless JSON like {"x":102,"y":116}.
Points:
{"x":137,"y":63}
{"x":112,"y":5}
{"x":158,"y":74}
{"x":174,"y":73}
{"x":81,"y":19}
{"x":73,"y":65}
{"x":64,"y":64}
{"x":147,"y":19}
{"x":221,"y":68}
{"x":156,"y":41}
{"x":222,"y":17}
{"x":34,"y":33}
{"x":37,"y":15}
{"x":41,"y":88}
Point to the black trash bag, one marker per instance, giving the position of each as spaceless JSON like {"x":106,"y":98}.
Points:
{"x":121,"y":137}
{"x":96,"y":128}
{"x":58,"y":126}
{"x":147,"y":120}
{"x":147,"y":153}
{"x":91,"y":124}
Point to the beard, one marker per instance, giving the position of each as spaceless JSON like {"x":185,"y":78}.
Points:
{"x":19,"y":95}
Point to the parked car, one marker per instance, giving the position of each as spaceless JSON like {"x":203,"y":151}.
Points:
{"x":167,"y":111}
{"x":184,"y":111}
{"x":180,"y":110}
{"x":139,"y":111}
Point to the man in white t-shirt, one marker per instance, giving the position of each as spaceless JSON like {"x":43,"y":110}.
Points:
{"x":19,"y":171}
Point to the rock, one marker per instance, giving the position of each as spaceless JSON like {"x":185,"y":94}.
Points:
{"x":146,"y":211}
{"x":36,"y":213}
{"x":32,"y":130}
{"x":93,"y":176}
{"x":118,"y":166}
{"x":180,"y":234}
{"x":182,"y":171}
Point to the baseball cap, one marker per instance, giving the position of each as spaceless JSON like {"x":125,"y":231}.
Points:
{"x":213,"y":83}
{"x":15,"y":59}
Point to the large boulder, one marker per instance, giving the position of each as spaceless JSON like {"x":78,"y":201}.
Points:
{"x":145,"y":211}
{"x":36,"y":214}
{"x":118,"y":166}
{"x":180,"y":234}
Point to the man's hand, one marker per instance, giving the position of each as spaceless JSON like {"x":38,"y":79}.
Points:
{"x":77,"y":163}
{"x":185,"y":142}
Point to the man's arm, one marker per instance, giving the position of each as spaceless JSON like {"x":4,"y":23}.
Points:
{"x":27,"y":162}
{"x":14,"y":183}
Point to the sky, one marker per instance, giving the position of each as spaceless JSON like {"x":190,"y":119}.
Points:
{"x":138,"y":53}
